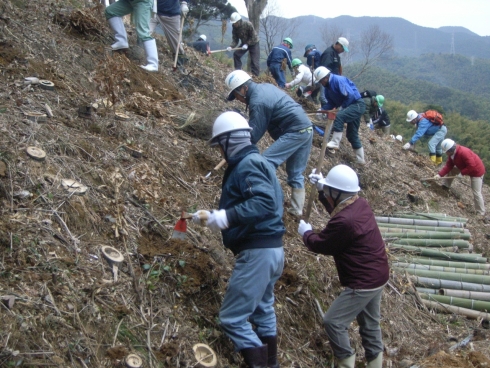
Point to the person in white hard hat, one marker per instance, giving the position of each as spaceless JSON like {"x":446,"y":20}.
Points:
{"x":250,"y":219}
{"x":201,"y":44}
{"x":353,"y":238}
{"x":330,"y":58}
{"x":168,"y":13}
{"x":426,"y":128}
{"x":342,"y":92}
{"x":272,"y":110}
{"x":462,"y":160}
{"x":244,"y":31}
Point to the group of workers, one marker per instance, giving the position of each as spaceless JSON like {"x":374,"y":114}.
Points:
{"x":250,"y":211}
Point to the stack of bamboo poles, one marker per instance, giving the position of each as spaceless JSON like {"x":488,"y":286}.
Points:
{"x":435,"y":250}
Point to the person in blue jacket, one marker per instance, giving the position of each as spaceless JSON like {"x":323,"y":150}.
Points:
{"x":342,"y":92}
{"x":275,"y":58}
{"x":426,"y":127}
{"x":312,"y":56}
{"x":250,"y":219}
{"x":273,"y":110}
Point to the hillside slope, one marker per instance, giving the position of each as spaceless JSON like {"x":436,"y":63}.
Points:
{"x":61,"y":305}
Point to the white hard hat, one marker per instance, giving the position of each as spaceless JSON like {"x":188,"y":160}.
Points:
{"x":320,"y":73}
{"x":234,"y":80}
{"x":447,"y":144}
{"x":345,"y":44}
{"x":399,"y":138}
{"x":342,"y":178}
{"x":203,"y":37}
{"x":227,"y":122}
{"x":412,"y":114}
{"x":235,"y":17}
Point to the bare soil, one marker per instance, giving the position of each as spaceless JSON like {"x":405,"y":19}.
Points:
{"x":61,"y":305}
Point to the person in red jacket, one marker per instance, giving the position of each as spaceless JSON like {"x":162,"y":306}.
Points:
{"x":353,"y":238}
{"x":462,"y":160}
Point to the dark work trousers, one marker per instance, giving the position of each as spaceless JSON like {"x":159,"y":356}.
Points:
{"x":254,"y":58}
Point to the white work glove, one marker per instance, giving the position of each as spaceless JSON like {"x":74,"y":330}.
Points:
{"x":437,"y":176}
{"x":201,"y":217}
{"x":245,"y":47}
{"x":371,"y":126}
{"x":303,"y":227}
{"x":407,"y":146}
{"x":215,"y":220}
{"x":321,"y":116}
{"x":228,"y":48}
{"x":184,"y":8}
{"x":315,"y":178}
{"x":370,"y":121}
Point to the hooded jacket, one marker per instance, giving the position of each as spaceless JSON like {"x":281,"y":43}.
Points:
{"x":273,"y":110}
{"x":353,"y":238}
{"x":252,"y":198}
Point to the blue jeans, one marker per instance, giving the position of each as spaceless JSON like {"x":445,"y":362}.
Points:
{"x":436,"y":140}
{"x":294,"y":148}
{"x":278,"y":74}
{"x":363,"y":305}
{"x":352,"y":116}
{"x":141,"y":10}
{"x":249,"y":298}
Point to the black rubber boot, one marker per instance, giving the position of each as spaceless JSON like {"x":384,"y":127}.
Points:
{"x":271,"y":342}
{"x":255,"y":357}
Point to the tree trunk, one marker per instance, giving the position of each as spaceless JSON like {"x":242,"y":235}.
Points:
{"x":255,"y":8}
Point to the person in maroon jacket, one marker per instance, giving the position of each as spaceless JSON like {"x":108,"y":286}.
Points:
{"x":463,"y":160}
{"x":353,"y":238}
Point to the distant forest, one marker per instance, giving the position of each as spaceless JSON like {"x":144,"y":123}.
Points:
{"x":455,"y":85}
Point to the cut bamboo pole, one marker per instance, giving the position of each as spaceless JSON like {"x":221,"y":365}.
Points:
{"x":461,"y":277}
{"x":427,"y":290}
{"x":442,"y":216}
{"x":408,"y":221}
{"x":440,"y":262}
{"x":428,"y":216}
{"x":462,"y":244}
{"x":440,"y":268}
{"x":478,"y":295}
{"x":449,"y":284}
{"x":472,"y":304}
{"x":425,"y":228}
{"x":448,"y":256}
{"x":457,"y":310}
{"x":426,"y":235}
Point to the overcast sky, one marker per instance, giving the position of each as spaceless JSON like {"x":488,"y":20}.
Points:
{"x":471,"y":14}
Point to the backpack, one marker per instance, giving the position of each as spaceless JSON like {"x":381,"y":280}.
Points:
{"x":434,"y":117}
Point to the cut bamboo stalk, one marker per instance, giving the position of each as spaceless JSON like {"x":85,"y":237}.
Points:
{"x":407,"y":221}
{"x":428,"y":216}
{"x":442,"y":216}
{"x":440,"y":262}
{"x":426,"y":235}
{"x":478,"y":295}
{"x":457,"y":310}
{"x":440,"y":268}
{"x":448,"y":256}
{"x":461,"y":277}
{"x":472,"y":304}
{"x":425,"y":228}
{"x":462,"y":244}
{"x":449,"y":284}
{"x":426,"y":290}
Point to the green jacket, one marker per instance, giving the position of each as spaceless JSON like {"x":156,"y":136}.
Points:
{"x":245,"y":32}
